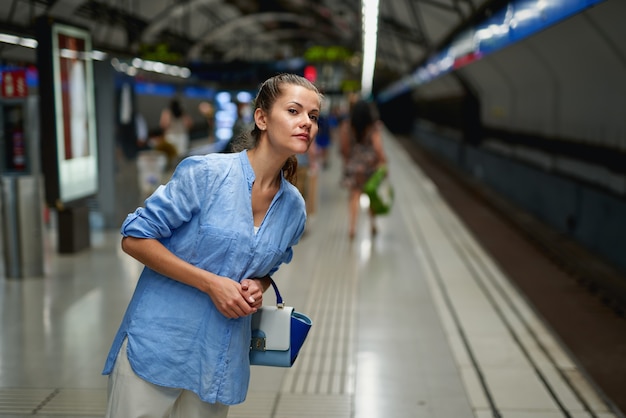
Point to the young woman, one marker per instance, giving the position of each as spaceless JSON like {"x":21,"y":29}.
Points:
{"x":209,"y":240}
{"x":362,"y":152}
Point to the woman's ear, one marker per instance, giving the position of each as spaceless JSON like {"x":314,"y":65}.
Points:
{"x":260,"y":119}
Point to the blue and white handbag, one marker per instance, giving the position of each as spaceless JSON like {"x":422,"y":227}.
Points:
{"x":278,"y":333}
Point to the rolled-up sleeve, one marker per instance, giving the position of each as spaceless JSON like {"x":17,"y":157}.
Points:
{"x":170,"y":205}
{"x":286,"y":258}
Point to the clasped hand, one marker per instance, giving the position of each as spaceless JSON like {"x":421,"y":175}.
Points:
{"x":235,"y":300}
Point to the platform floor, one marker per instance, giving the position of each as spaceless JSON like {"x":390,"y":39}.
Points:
{"x":417,"y":321}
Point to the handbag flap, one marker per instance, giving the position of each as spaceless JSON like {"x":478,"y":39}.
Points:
{"x":275,"y":325}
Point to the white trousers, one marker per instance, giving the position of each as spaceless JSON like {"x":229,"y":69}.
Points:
{"x":129,"y":396}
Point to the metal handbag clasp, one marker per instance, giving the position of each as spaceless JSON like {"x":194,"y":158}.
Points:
{"x":257,"y":344}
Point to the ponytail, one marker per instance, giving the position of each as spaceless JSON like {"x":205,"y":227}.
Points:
{"x":290,"y":169}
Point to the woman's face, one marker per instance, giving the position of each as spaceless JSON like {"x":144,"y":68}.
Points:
{"x":291,"y":124}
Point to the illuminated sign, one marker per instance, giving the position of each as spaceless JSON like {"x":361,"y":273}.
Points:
{"x":75,"y":113}
{"x":14,"y":84}
{"x":518,"y":20}
{"x":69,"y":143}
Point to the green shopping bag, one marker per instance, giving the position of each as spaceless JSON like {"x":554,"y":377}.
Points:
{"x":380,"y":192}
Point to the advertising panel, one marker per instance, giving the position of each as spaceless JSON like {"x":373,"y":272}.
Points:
{"x":69,"y":142}
{"x":75,"y":112}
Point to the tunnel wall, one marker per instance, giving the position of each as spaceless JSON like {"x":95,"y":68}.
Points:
{"x":552,"y":110}
{"x":581,"y":211}
{"x":564,"y":86}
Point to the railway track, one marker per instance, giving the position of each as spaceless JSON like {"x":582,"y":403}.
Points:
{"x":582,"y":298}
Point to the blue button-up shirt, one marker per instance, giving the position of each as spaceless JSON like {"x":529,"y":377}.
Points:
{"x":176,"y":336}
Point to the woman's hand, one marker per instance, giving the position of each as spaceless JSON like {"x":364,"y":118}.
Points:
{"x":227,"y":295}
{"x":252,"y":291}
{"x":230,"y":298}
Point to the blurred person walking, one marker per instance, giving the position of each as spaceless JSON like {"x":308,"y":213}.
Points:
{"x":363,"y":153}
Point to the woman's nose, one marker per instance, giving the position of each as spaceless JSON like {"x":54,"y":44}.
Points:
{"x":307,"y":121}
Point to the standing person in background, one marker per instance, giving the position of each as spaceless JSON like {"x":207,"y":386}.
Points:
{"x":210,"y":239}
{"x":306,"y":181}
{"x":176,"y":125}
{"x":141,"y":130}
{"x":241,"y":124}
{"x":208,"y":111}
{"x":343,"y":128}
{"x":323,"y":139}
{"x":240,"y":128}
{"x":362,"y":152}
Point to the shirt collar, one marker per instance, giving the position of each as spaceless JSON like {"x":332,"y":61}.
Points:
{"x":247,"y":168}
{"x":249,"y":172}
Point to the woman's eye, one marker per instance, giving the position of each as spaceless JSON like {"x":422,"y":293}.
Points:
{"x":314,"y":117}
{"x":292,"y":111}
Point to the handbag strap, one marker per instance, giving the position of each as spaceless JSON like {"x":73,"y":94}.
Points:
{"x":279,"y":299}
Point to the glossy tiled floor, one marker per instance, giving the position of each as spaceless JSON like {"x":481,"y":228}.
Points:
{"x":414,"y":322}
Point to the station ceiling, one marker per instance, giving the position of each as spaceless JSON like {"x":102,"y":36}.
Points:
{"x":248,"y":30}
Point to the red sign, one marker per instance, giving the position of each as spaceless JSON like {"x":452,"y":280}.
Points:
{"x":14,"y":84}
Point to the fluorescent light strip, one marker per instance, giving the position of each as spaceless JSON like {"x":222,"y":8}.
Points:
{"x":32,"y":43}
{"x":370,"y":38}
{"x":18,"y":40}
{"x":152,"y":66}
